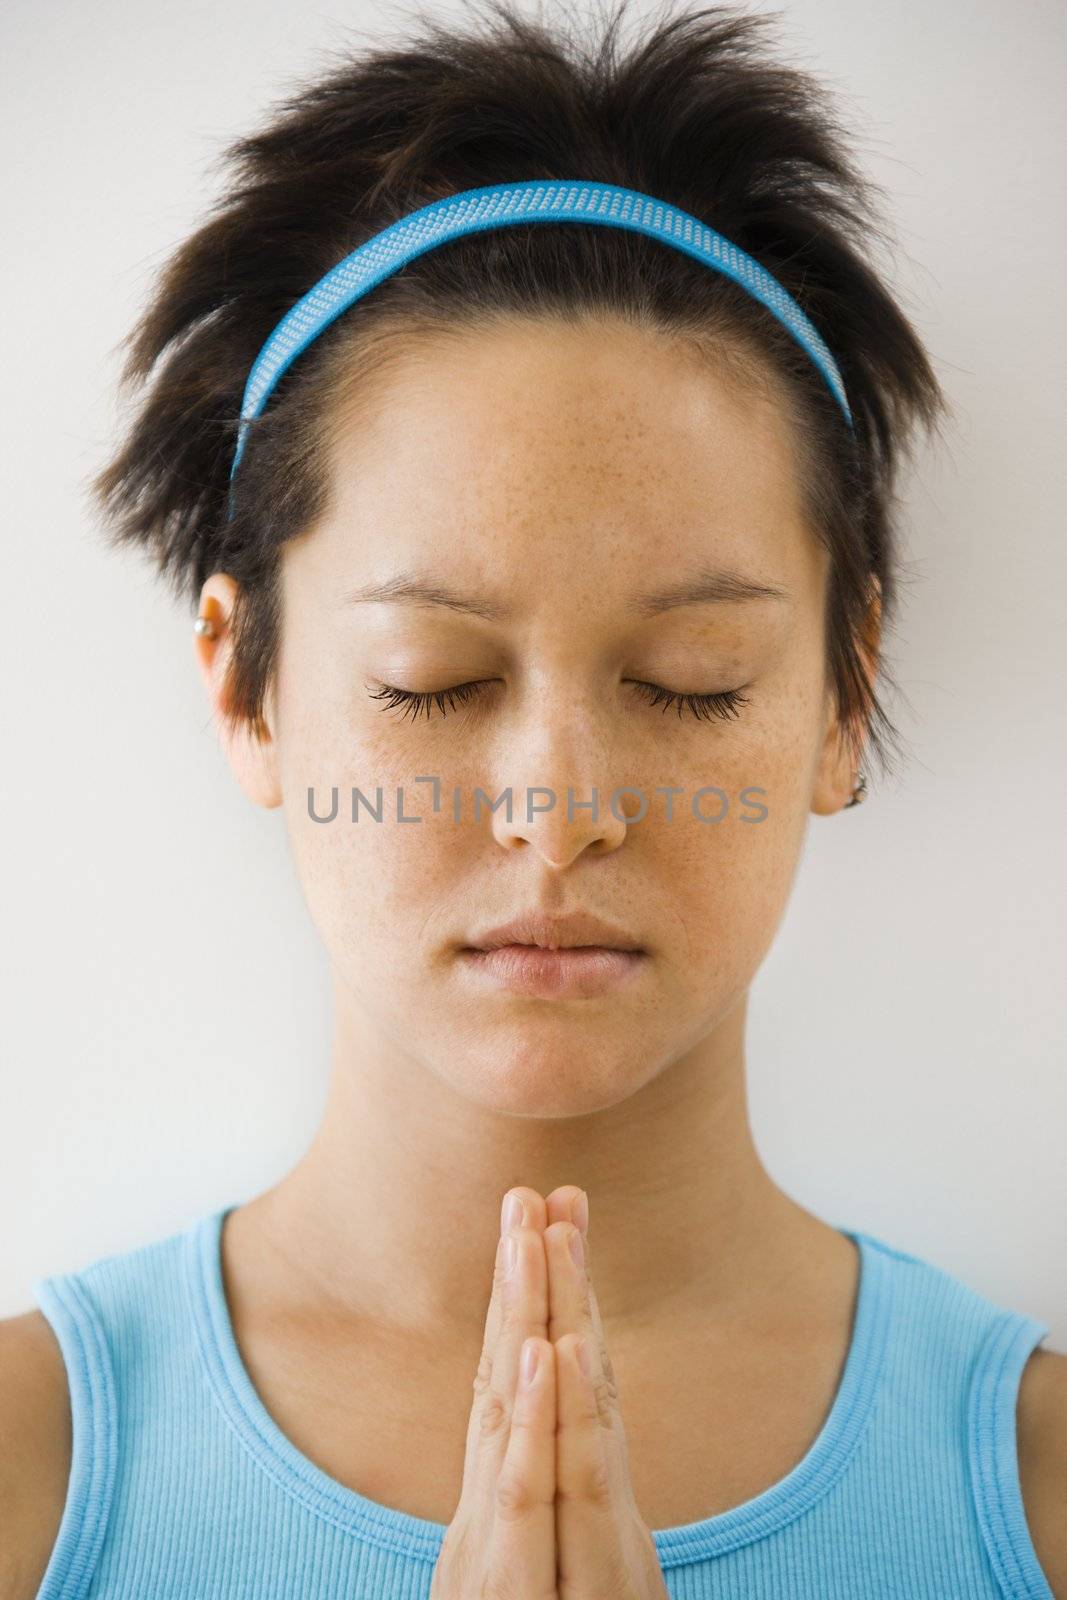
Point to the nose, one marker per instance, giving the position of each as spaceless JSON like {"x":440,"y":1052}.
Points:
{"x":557,"y":805}
{"x":540,"y":818}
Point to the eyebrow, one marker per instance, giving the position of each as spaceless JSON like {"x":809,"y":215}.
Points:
{"x":710,"y":586}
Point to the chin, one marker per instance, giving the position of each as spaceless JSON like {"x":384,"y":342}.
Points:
{"x":558,"y":1070}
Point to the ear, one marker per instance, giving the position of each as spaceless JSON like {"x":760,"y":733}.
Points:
{"x":252,"y":756}
{"x":837,"y":771}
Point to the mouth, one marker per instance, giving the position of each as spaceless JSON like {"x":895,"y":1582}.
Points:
{"x":571,"y":972}
{"x":574,"y":956}
{"x":577,"y":930}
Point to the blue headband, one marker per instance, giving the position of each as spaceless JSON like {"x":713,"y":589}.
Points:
{"x":496,"y":206}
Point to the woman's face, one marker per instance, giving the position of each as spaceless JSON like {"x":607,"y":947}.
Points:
{"x":553,"y":483}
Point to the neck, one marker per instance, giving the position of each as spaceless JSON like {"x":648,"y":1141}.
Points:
{"x":392,"y":1213}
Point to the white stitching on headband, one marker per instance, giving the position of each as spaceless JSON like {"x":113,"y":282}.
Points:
{"x":496,"y":206}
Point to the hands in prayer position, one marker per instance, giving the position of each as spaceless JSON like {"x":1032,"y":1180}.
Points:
{"x":546,"y":1508}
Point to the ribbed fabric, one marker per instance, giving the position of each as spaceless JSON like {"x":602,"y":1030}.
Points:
{"x":182,"y":1486}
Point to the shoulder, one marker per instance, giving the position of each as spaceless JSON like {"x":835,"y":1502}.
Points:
{"x":35,"y":1450}
{"x":1041,"y":1435}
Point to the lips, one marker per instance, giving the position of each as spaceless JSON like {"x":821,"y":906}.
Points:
{"x":574,"y":972}
{"x":575,"y":930}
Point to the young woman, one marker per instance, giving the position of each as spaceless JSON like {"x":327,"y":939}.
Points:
{"x":541,"y":542}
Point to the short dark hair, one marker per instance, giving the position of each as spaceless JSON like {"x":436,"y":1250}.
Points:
{"x":697,"y":111}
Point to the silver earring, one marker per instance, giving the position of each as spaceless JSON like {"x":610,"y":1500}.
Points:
{"x":205,"y":626}
{"x":858,"y":793}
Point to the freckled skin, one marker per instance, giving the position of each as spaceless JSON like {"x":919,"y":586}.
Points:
{"x":559,"y":470}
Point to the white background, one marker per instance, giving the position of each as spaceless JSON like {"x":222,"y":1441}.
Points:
{"x":164,"y":1026}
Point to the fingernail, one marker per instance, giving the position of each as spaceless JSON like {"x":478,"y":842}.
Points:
{"x":530,"y":1352}
{"x":580,"y":1212}
{"x":577,"y":1248}
{"x":511,"y":1253}
{"x":584,"y":1358}
{"x":510,"y":1213}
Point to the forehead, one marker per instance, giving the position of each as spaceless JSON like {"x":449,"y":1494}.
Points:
{"x":552,"y":447}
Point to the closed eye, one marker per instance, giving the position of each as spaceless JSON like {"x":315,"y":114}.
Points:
{"x":415,"y":701}
{"x":725,"y":704}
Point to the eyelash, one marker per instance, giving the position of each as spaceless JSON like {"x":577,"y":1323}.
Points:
{"x":704,"y":707}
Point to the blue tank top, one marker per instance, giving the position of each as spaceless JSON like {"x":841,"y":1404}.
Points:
{"x":182,"y":1486}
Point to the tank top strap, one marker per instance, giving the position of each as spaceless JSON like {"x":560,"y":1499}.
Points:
{"x":121,"y":1323}
{"x":993,"y":1454}
{"x":79,"y":1329}
{"x":956,"y":1360}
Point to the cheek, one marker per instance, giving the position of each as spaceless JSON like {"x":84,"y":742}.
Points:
{"x":367,"y":882}
{"x":376,"y":890}
{"x":723,"y":887}
{"x":728,"y":881}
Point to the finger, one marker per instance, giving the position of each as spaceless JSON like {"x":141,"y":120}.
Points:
{"x":572,"y":1307}
{"x":533,"y":1215}
{"x":590,"y":1503}
{"x":522,"y":1313}
{"x":522,"y":1546}
{"x":570,"y":1204}
{"x":568,"y":1297}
